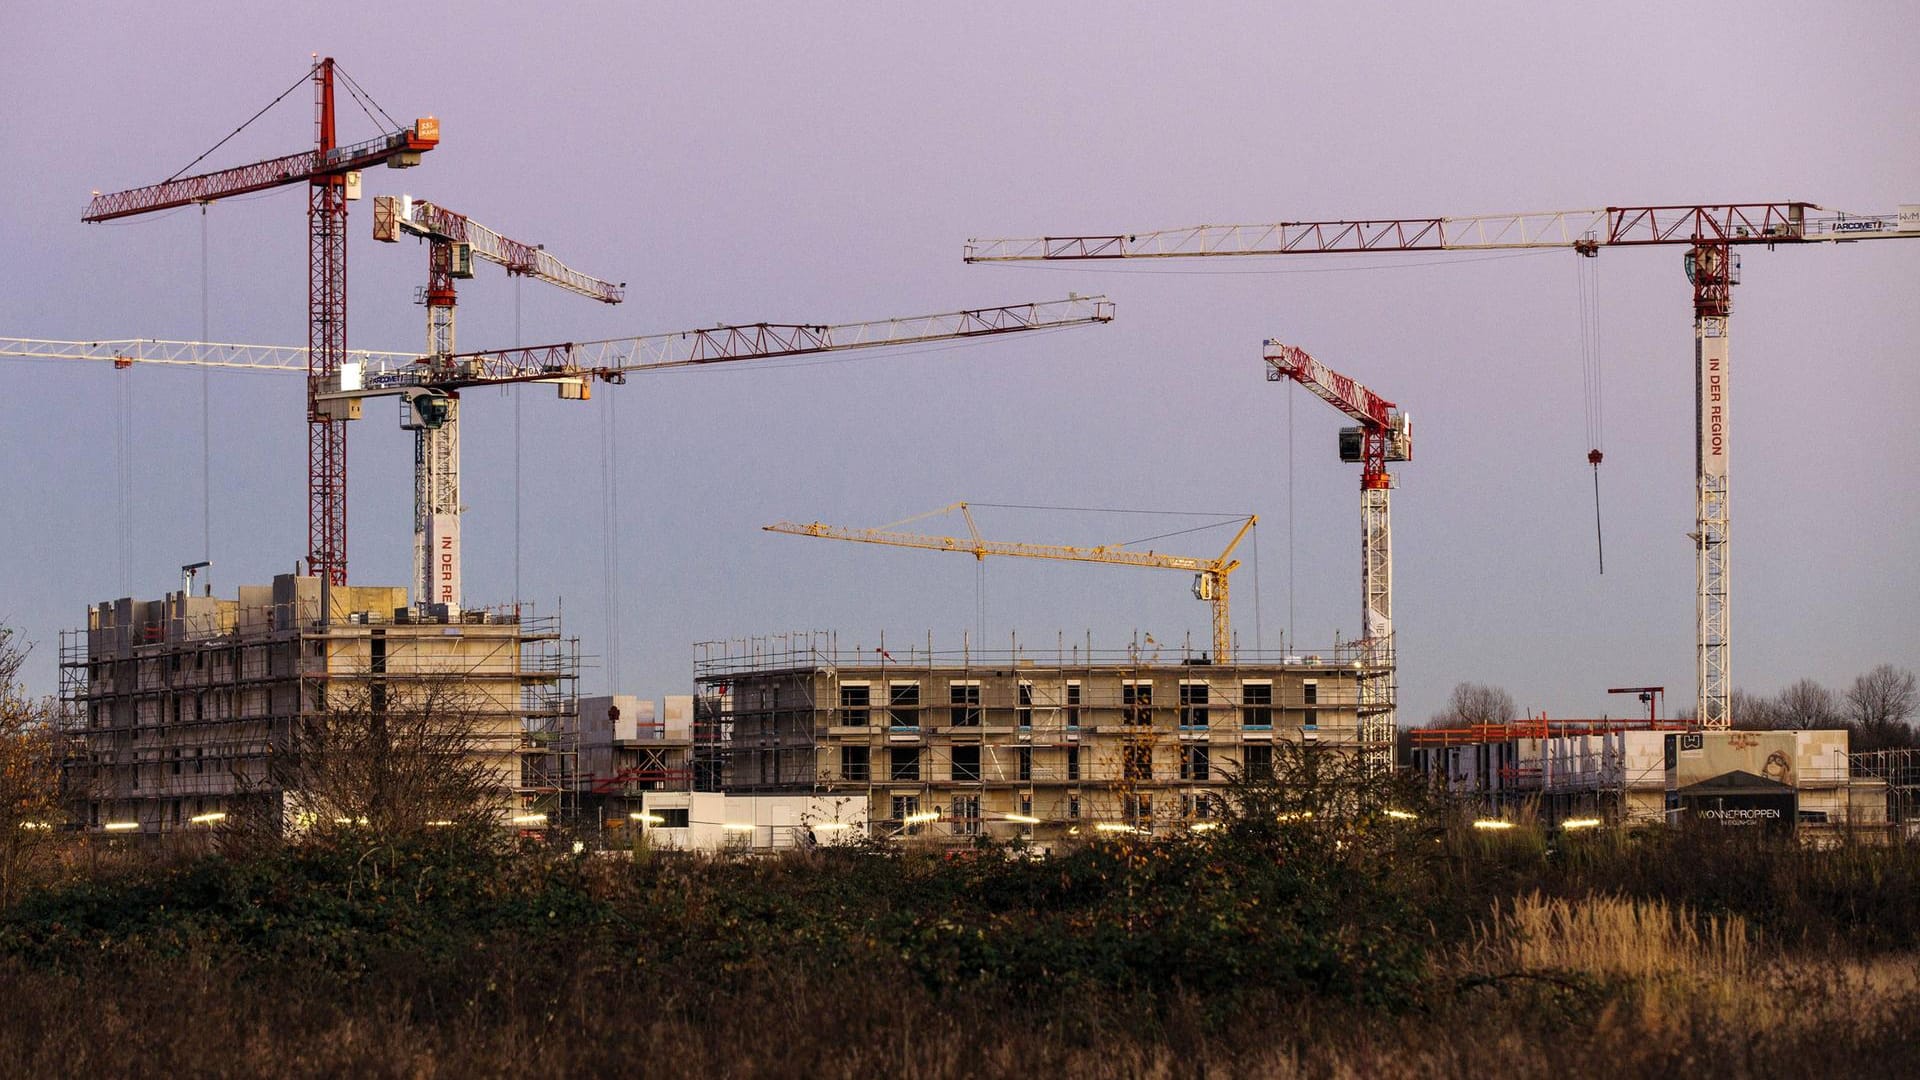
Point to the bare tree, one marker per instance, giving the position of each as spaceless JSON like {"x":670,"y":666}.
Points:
{"x":1754,"y":712}
{"x":1476,"y":703}
{"x":397,"y":759}
{"x":29,"y":772}
{"x":1807,"y":704}
{"x":1880,"y":705}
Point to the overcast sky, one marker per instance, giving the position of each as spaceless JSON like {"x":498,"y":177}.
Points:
{"x":826,"y":162}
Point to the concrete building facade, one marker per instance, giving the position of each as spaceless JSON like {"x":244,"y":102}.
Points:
{"x":630,"y":746}
{"x":1013,"y":744}
{"x":179,"y":706}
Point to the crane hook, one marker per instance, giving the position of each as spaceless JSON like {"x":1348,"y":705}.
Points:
{"x":1593,"y":458}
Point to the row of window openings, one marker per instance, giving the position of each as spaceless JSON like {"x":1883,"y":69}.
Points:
{"x":1136,"y":699}
{"x":225,"y":659}
{"x":903,"y":764}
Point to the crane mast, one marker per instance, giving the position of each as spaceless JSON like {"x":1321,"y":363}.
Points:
{"x":1210,"y":582}
{"x":1383,"y":434}
{"x":1711,"y":231}
{"x":433,"y":415}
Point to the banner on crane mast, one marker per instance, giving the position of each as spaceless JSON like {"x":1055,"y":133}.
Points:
{"x":443,"y":547}
{"x":1713,"y":398}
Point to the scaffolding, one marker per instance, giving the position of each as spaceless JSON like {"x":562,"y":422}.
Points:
{"x":178,"y":707}
{"x":1899,"y":769}
{"x":1635,"y":771}
{"x":1043,"y":742}
{"x":550,"y":709}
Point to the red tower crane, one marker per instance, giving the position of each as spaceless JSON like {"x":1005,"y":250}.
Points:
{"x":1712,"y":233}
{"x":331,"y":173}
{"x":1383,"y":434}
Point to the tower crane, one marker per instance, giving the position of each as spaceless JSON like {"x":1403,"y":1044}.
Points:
{"x":573,"y":366}
{"x":1383,"y":433}
{"x":431,"y":413}
{"x":1712,"y":235}
{"x":1210,"y":576}
{"x":331,"y":173}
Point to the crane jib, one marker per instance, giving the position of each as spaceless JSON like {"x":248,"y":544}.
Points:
{"x":261,"y":175}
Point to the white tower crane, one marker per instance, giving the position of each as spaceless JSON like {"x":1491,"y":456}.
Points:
{"x":433,"y":414}
{"x":1383,"y":434}
{"x":1711,"y":234}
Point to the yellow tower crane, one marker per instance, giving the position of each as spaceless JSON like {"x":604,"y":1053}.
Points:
{"x":1210,"y":576}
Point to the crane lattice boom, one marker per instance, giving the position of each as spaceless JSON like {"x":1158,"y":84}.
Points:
{"x":126,"y":352}
{"x":1583,"y":230}
{"x":404,"y":213}
{"x":1210,"y":584}
{"x":613,"y":359}
{"x":1332,"y":387}
{"x":404,"y":144}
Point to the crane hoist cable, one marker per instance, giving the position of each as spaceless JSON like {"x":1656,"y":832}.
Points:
{"x":610,"y":535}
{"x":1587,"y":287}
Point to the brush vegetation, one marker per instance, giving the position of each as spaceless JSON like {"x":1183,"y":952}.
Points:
{"x":1341,"y":943}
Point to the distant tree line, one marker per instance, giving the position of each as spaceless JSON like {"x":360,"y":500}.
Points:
{"x":1878,"y":709}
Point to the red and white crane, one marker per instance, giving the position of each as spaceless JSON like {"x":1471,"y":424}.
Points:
{"x":574,"y":366}
{"x":1383,"y":433}
{"x":331,"y":172}
{"x":1712,"y":233}
{"x":433,"y":414}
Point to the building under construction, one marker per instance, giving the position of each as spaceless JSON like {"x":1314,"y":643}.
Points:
{"x":1650,"y":771}
{"x":1042,"y":744}
{"x":180,"y":708}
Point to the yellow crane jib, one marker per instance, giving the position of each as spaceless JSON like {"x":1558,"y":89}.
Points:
{"x":1211,"y":576}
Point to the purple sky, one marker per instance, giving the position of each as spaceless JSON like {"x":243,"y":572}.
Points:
{"x":816,"y":162}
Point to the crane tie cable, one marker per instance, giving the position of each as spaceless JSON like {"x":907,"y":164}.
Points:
{"x":242,"y":127}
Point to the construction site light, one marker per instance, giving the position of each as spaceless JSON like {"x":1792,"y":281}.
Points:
{"x":1492,"y":823}
{"x":1402,"y":815}
{"x":530,"y":819}
{"x":36,"y":824}
{"x":739,"y":826}
{"x":832,"y":826}
{"x":1203,"y":826}
{"x":651,"y":819}
{"x":1580,"y":823}
{"x":208,"y":819}
{"x":921,"y":818}
{"x":1114,"y":827}
{"x":120,"y":826}
{"x":1021,"y":819}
